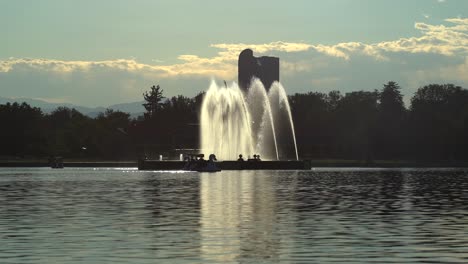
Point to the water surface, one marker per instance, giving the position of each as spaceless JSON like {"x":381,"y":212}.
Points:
{"x":318,"y":216}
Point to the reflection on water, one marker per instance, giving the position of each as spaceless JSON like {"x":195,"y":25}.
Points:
{"x":238,"y":217}
{"x":323,"y":215}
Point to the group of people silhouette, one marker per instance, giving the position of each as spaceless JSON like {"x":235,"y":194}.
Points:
{"x":255,"y":158}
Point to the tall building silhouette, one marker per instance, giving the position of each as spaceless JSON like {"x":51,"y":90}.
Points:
{"x":264,"y":68}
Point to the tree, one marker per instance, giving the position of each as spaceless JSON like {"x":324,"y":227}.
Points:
{"x":68,"y":130}
{"x":391,"y":100}
{"x":21,"y":133}
{"x":391,"y":115}
{"x":198,"y":100}
{"x":311,"y":121}
{"x":437,"y":122}
{"x":355,"y":123}
{"x":153,"y":100}
{"x":111,"y":138}
{"x":114,"y":119}
{"x":333,"y":99}
{"x":179,"y":116}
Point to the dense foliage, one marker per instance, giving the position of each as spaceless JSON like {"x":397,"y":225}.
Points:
{"x":357,"y":125}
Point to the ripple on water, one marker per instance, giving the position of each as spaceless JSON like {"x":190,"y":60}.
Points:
{"x":324,"y":215}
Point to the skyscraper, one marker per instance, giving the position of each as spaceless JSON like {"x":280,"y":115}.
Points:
{"x":264,"y":68}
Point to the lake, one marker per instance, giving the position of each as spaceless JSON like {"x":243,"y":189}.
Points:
{"x":123,"y":215}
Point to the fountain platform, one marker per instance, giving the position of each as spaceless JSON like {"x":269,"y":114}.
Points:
{"x":230,"y":165}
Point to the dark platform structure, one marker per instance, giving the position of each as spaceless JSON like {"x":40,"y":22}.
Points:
{"x":265,"y":68}
{"x":230,"y":165}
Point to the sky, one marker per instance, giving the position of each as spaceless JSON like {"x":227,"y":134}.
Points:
{"x":98,"y":53}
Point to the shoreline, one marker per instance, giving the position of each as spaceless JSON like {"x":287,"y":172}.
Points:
{"x":69,"y":164}
{"x":387,"y":164}
{"x":314,"y":164}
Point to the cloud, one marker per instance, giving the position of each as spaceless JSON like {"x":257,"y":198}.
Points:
{"x":347,"y":49}
{"x":437,"y":39}
{"x":61,"y":66}
{"x":457,"y":72}
{"x":358,"y":65}
{"x":292,"y":67}
{"x":192,"y":66}
{"x":231,"y":51}
{"x":223,"y":66}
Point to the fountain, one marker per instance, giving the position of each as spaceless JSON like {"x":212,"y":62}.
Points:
{"x":263,"y":126}
{"x":225,"y":123}
{"x":233,"y":122}
{"x":248,"y":119}
{"x":278,"y":96}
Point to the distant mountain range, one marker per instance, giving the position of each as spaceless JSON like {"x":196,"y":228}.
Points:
{"x":134,"y":109}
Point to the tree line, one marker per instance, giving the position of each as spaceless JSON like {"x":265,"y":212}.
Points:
{"x":377,"y":126}
{"x":358,"y":125}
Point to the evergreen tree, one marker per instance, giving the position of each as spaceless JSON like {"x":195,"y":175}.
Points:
{"x":391,"y":101}
{"x":391,"y":115}
{"x":153,"y":100}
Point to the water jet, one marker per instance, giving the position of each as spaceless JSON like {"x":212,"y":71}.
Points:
{"x":252,"y":117}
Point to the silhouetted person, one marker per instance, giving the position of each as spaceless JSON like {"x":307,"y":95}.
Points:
{"x":258,"y":158}
{"x":240,"y":158}
{"x":201,"y":160}
{"x":212,"y":157}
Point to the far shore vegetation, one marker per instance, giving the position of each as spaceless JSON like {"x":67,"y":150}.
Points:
{"x":359,"y":126}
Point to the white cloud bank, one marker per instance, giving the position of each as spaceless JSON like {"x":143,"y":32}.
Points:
{"x":437,"y":39}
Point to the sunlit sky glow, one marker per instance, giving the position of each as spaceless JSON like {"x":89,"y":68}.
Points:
{"x":97,"y":53}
